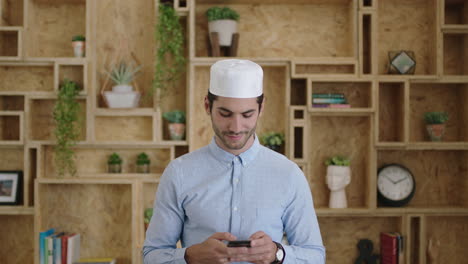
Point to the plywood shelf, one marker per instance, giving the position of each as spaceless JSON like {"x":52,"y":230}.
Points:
{"x":16,"y":210}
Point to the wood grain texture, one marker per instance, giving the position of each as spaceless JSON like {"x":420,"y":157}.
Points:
{"x":440,"y":176}
{"x":149,"y":194}
{"x":17,"y":237}
{"x":73,"y":73}
{"x":414,"y":20}
{"x":341,"y":240}
{"x":101,"y":214}
{"x":11,"y":12}
{"x":27,"y":78}
{"x":135,"y":128}
{"x":346,"y":136}
{"x":455,"y":54}
{"x":286,"y":30}
{"x":9,"y":43}
{"x":11,"y":103}
{"x":10,"y":128}
{"x":447,"y":97}
{"x":12,"y":159}
{"x":94,"y":161}
{"x":391,"y":112}
{"x":51,"y":26}
{"x":456,"y":12}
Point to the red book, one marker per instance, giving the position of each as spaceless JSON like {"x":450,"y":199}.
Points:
{"x":65,"y":247}
{"x":389,"y":248}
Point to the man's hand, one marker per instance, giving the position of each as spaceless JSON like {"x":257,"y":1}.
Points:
{"x":262,"y":250}
{"x":211,"y":251}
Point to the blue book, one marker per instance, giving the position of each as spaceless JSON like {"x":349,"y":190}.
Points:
{"x":42,"y":236}
{"x":58,"y":248}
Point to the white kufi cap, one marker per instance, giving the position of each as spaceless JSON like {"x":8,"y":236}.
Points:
{"x":236,"y":78}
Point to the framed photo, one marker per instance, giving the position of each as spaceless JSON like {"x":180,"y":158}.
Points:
{"x":401,"y":62}
{"x":10,"y":187}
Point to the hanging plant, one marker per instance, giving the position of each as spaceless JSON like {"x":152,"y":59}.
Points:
{"x":67,"y":127}
{"x":170,"y":59}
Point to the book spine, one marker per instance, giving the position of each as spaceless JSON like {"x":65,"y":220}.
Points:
{"x":329,"y":100}
{"x":328,"y":95}
{"x":340,"y":106}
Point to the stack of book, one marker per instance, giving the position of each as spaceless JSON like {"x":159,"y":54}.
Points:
{"x":329,"y":100}
{"x":58,"y":247}
{"x":391,"y":248}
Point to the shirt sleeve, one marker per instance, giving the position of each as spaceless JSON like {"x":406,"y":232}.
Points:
{"x":301,"y":226}
{"x":166,"y":224}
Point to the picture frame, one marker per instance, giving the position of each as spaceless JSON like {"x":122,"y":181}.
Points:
{"x":401,"y":62}
{"x":11,"y":186}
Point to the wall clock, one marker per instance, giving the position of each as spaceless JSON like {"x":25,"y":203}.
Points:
{"x":395,"y":185}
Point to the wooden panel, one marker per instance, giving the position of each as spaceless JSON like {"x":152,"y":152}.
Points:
{"x":129,"y":23}
{"x":17,"y":237}
{"x":42,"y":120}
{"x":201,"y":131}
{"x":446,"y":97}
{"x":72,"y":72}
{"x":10,"y":128}
{"x":357,"y":94}
{"x":9,"y":43}
{"x":94,"y":161}
{"x":456,"y":12}
{"x":11,"y":103}
{"x":347,"y":136}
{"x":449,"y":236}
{"x":455,"y":54}
{"x":391,"y":113}
{"x":341,"y":235}
{"x":12,"y":159}
{"x":101,"y":214}
{"x":287,"y":30}
{"x":318,"y":69}
{"x":440,"y":176}
{"x":149,"y":193}
{"x":11,"y":13}
{"x":51,"y":26}
{"x":407,"y":25}
{"x":135,"y":128}
{"x":298,"y":92}
{"x":27,"y":78}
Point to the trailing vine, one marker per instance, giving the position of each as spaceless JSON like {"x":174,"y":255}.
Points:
{"x":67,"y":127}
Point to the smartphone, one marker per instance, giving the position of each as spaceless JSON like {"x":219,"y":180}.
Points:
{"x":239,"y":243}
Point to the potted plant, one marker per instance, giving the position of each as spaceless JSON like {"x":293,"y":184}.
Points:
{"x":435,"y":124}
{"x":122,"y":94}
{"x":170,"y":54}
{"x":143,"y":163}
{"x":78,"y":43}
{"x":176,"y":121}
{"x":67,"y":127}
{"x":148,"y":214}
{"x":272,"y":140}
{"x":338,"y":176}
{"x":222,"y":20}
{"x":114,"y":163}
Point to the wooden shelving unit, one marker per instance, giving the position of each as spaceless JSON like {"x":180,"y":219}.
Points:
{"x":304,"y":47}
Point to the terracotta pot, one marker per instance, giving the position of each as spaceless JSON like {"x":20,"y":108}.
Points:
{"x":435,"y":131}
{"x":79,"y":48}
{"x":176,"y":131}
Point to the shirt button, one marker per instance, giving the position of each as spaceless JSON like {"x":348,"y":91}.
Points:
{"x":235,"y":209}
{"x":236,"y":180}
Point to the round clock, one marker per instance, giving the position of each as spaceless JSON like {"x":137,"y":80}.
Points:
{"x":395,"y":185}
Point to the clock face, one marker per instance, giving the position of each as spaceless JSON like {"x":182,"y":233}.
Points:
{"x":395,"y":185}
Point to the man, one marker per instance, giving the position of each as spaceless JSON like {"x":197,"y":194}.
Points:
{"x":234,"y":188}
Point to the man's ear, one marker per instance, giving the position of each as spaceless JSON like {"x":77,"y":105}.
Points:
{"x":207,"y":105}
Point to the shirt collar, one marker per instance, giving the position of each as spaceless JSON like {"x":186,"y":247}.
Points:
{"x":227,"y":158}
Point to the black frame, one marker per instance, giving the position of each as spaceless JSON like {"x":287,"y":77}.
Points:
{"x":17,"y":196}
{"x":384,"y":201}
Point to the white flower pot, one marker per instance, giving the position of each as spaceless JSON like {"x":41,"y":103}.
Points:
{"x":225,"y":28}
{"x":78,"y":48}
{"x":122,"y":88}
{"x":122,"y":100}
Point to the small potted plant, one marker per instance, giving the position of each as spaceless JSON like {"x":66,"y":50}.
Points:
{"x":272,"y":140}
{"x":148,"y":214}
{"x":176,"y":121}
{"x":222,"y":20}
{"x":78,"y":43}
{"x":338,"y":176}
{"x":114,"y":163}
{"x":435,"y":124}
{"x":122,"y":94}
{"x":143,"y":163}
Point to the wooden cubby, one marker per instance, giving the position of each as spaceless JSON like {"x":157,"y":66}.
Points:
{"x":304,"y":47}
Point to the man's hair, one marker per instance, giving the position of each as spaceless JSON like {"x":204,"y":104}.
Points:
{"x":212,"y":97}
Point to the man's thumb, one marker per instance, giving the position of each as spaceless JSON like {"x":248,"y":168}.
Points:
{"x":223,"y":236}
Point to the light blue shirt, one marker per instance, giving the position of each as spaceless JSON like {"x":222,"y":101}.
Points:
{"x":211,"y":190}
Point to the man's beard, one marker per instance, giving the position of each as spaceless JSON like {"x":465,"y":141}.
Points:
{"x":237,"y":145}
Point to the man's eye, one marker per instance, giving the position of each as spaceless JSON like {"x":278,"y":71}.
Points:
{"x":247,"y":115}
{"x":225,"y":115}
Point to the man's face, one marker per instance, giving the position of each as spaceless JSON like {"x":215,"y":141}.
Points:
{"x":234,"y":121}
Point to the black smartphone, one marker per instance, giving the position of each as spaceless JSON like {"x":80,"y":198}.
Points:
{"x":239,"y":243}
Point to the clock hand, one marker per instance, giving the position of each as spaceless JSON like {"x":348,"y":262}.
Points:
{"x":400,"y":180}
{"x":390,"y":179}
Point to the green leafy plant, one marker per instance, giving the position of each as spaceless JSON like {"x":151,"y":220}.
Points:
{"x":143,"y":159}
{"x":114,"y":158}
{"x":338,"y":161}
{"x":170,"y":59}
{"x":78,"y":38}
{"x":272,"y":139}
{"x":148,"y":214}
{"x":67,"y":127}
{"x":218,"y":13}
{"x":176,"y":116}
{"x":123,"y":73}
{"x":435,"y":117}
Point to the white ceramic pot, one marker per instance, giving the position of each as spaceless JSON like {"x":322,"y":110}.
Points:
{"x":78,"y":48}
{"x":122,"y":88}
{"x":225,"y":28}
{"x":122,"y":100}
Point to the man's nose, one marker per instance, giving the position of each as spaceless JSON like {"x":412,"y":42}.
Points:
{"x":236,"y":124}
